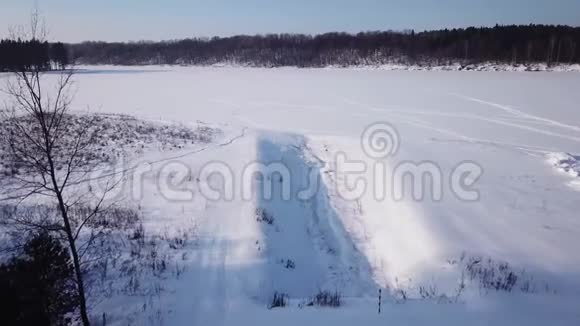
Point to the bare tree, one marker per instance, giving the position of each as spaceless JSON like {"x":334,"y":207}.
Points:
{"x":551,"y":46}
{"x":49,"y":151}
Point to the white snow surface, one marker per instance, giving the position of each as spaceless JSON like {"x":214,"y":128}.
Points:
{"x":517,"y":126}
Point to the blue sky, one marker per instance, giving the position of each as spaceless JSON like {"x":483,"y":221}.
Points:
{"x":110,"y":20}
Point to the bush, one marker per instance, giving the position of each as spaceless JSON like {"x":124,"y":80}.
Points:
{"x":279,"y":300}
{"x":491,"y":275}
{"x":38,"y":287}
{"x":326,"y":299}
{"x":263,"y":216}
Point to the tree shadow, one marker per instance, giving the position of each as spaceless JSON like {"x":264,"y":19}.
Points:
{"x":305,"y":244}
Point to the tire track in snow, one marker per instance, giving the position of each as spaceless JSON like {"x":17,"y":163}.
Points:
{"x":518,"y":113}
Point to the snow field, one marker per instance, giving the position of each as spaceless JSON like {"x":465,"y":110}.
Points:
{"x":433,"y":258}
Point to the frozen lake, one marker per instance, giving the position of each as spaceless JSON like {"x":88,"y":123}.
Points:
{"x":521,"y":129}
{"x":297,"y":99}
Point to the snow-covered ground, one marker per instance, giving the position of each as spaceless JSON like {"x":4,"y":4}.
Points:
{"x":506,"y":256}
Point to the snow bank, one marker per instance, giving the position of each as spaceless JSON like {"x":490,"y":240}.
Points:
{"x":564,"y":162}
{"x":567,"y":164}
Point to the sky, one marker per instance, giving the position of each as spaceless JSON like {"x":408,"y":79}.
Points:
{"x":134,"y":20}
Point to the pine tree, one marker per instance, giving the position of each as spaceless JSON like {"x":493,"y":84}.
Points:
{"x":38,"y":287}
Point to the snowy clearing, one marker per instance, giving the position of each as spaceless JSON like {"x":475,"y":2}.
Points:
{"x":508,"y":256}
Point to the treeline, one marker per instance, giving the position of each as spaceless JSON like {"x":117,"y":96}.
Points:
{"x":17,"y":55}
{"x":505,"y":44}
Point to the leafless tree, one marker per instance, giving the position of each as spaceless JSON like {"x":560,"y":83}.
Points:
{"x":49,"y":151}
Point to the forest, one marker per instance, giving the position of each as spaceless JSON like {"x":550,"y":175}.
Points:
{"x":513,"y":44}
{"x":506,"y":44}
{"x":17,"y":55}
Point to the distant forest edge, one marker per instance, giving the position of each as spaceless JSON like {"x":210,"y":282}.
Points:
{"x":523,"y":44}
{"x":18,"y":55}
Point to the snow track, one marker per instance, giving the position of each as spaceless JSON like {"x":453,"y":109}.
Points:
{"x":307,"y":246}
{"x":249,"y":249}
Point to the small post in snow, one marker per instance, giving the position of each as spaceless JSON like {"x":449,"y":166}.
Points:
{"x":380,"y":292}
